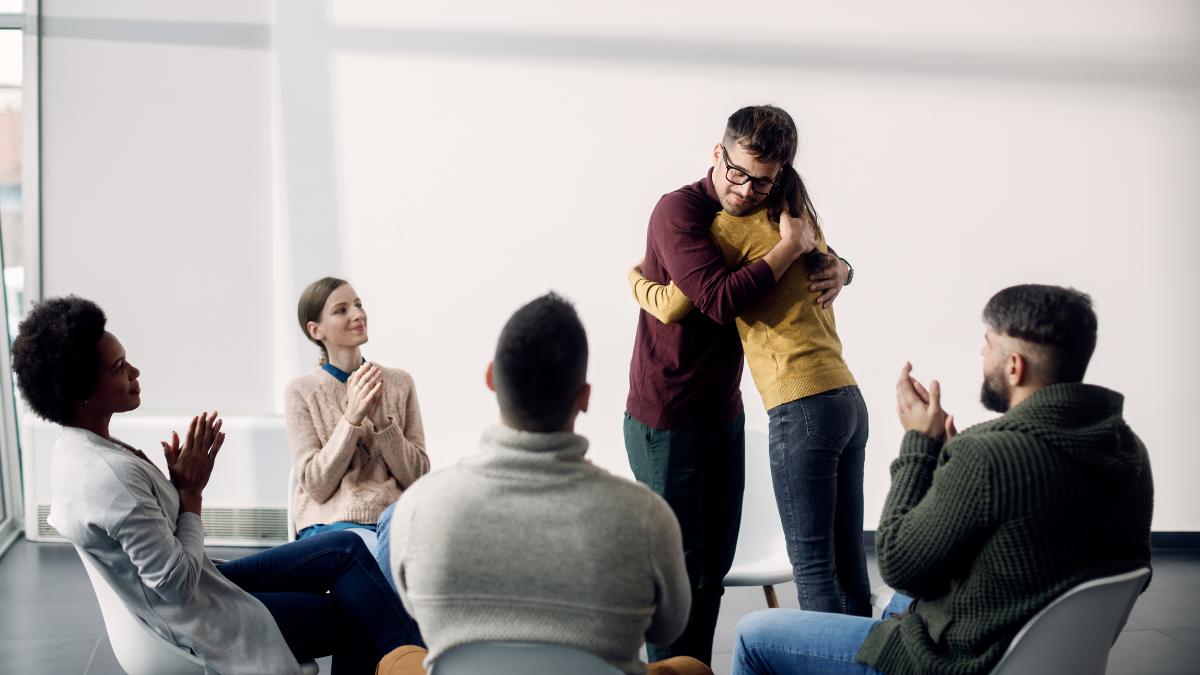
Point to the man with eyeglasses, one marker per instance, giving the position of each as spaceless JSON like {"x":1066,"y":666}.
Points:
{"x":684,"y":423}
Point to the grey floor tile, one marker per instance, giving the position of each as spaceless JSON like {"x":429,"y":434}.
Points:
{"x":1189,"y":636}
{"x":1166,"y":608}
{"x":103,"y":661}
{"x":69,"y":619}
{"x":1149,"y":652}
{"x":45,"y":655}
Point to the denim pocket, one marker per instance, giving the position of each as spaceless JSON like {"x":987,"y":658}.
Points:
{"x":829,"y":417}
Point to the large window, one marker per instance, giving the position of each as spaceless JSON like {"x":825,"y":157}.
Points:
{"x":12,"y":253}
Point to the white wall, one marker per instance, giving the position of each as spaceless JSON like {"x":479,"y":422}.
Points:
{"x":203,"y":163}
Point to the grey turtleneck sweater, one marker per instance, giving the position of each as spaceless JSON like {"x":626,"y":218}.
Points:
{"x":987,"y":530}
{"x":529,"y":542}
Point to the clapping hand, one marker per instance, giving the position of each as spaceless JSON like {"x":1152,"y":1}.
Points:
{"x":920,"y":409}
{"x":364,"y":390}
{"x":190,"y":465}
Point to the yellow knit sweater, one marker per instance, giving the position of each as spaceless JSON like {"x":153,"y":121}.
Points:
{"x":790,"y":342}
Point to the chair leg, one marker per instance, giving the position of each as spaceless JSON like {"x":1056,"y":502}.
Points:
{"x":772,"y":601}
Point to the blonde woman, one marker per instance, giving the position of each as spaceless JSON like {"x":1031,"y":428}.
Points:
{"x":354,"y":427}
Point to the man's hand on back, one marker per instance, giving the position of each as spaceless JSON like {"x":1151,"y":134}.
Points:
{"x":829,"y":279}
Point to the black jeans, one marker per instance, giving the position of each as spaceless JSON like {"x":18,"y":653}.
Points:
{"x":818,"y":447}
{"x":701,"y":474}
{"x":358,"y":620}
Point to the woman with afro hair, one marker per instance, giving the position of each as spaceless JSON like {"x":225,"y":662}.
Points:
{"x":260,"y":614}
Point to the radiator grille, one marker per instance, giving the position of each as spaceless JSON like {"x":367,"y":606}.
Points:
{"x":265,"y":525}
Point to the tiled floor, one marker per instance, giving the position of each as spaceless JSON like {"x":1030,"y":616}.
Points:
{"x":50,"y":623}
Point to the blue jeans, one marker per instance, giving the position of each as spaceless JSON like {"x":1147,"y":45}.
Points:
{"x":328,"y":597}
{"x":818,"y":447}
{"x":384,"y":547}
{"x":700,"y":472}
{"x":786,"y":641}
{"x":374,"y":536}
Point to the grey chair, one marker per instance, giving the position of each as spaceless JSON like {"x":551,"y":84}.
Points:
{"x":1073,"y":634}
{"x":519,"y":658}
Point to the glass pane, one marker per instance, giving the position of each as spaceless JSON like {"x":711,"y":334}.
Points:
{"x":13,"y":281}
{"x":11,"y":226}
{"x":12,"y":6}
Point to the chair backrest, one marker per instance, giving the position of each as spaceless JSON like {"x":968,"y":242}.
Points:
{"x":138,"y":649}
{"x":519,"y":658}
{"x":291,"y":491}
{"x":1073,"y":634}
{"x":761,"y":555}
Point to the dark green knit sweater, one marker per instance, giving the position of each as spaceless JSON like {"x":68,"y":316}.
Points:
{"x":989,"y":529}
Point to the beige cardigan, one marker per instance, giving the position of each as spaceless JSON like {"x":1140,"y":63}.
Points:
{"x":346,"y":472}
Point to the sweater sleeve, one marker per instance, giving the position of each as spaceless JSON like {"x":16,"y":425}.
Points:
{"x":934,"y":516}
{"x":666,"y":303}
{"x":403,"y":449}
{"x":670,"y":575}
{"x":679,"y":233}
{"x":168,"y":555}
{"x":319,"y":467}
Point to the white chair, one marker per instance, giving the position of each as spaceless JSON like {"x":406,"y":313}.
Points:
{"x":1073,"y":634}
{"x":140,"y":650}
{"x":291,"y":491}
{"x":761,"y":558}
{"x":519,"y":658}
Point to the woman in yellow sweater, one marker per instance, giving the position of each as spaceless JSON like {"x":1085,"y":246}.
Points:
{"x":817,"y":416}
{"x":354,"y":427}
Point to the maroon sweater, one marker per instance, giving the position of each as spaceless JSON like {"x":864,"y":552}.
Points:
{"x":685,"y":374}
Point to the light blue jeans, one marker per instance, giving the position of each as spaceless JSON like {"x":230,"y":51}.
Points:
{"x":374,"y":536}
{"x":787,"y":641}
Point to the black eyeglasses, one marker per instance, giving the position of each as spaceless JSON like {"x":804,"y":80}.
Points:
{"x":739,"y":176}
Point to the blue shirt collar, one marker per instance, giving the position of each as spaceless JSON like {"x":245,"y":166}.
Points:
{"x":337,"y":373}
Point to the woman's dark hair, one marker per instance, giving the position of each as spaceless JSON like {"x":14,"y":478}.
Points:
{"x":312,"y":301}
{"x":792,"y":195}
{"x":55,"y":355}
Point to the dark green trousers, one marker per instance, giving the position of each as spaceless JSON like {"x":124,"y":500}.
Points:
{"x":701,"y":473}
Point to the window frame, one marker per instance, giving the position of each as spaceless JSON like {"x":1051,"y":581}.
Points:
{"x":11,"y":474}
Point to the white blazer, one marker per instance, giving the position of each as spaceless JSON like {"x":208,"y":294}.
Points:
{"x":123,"y":512}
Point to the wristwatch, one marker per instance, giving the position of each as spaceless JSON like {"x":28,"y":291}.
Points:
{"x":850,"y":276}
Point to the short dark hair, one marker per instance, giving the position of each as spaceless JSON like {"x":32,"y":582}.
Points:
{"x":1059,"y":321}
{"x":56,"y":357}
{"x":769,"y":134}
{"x":540,"y":364}
{"x":765,"y":131}
{"x":312,"y":301}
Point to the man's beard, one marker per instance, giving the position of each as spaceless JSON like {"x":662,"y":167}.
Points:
{"x":994,"y":393}
{"x":745,"y":209}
